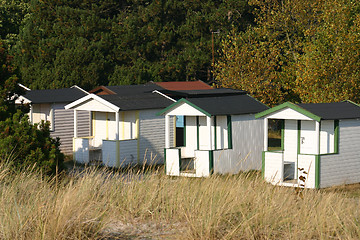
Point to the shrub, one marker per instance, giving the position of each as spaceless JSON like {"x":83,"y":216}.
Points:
{"x":27,"y":145}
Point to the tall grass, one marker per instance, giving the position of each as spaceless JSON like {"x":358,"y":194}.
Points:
{"x":98,"y":204}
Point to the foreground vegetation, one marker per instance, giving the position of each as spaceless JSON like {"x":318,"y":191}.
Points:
{"x":99,"y":205}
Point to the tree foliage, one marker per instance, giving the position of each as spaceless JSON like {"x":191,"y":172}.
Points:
{"x":25,"y":145}
{"x":12,"y":16}
{"x":303,"y":51}
{"x":90,"y":43}
{"x":22,"y":143}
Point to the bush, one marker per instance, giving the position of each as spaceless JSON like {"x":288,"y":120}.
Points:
{"x":25,"y":145}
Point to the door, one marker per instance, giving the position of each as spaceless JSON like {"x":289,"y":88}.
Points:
{"x":290,"y":148}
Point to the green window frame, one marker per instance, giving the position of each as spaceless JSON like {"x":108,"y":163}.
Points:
{"x":229,"y":127}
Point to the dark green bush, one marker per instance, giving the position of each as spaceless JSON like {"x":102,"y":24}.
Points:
{"x":25,"y":145}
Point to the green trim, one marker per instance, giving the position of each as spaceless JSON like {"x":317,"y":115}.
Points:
{"x":229,"y":125}
{"x":179,"y":153}
{"x":298,"y":135}
{"x":288,"y":105}
{"x":165,"y":160}
{"x":298,"y":148}
{"x":336,"y":136}
{"x":183,"y":100}
{"x":263,"y":165}
{"x":352,"y":102}
{"x":211,"y":162}
{"x":215,"y":134}
{"x":317,"y":171}
{"x":197,"y":133}
{"x":319,"y":138}
{"x":282,"y":135}
{"x":184,"y":131}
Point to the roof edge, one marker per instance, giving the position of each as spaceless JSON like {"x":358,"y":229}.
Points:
{"x":183,"y":100}
{"x":95,"y":97}
{"x":288,"y":105}
{"x":349,"y":101}
{"x":77,"y":87}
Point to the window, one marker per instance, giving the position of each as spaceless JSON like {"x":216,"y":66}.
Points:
{"x":275,"y":134}
{"x":223,"y":135}
{"x":180,"y":131}
{"x":42,"y":112}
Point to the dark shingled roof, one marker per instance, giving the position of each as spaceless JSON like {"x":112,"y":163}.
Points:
{"x":202,"y":93}
{"x":54,"y":95}
{"x":229,"y":105}
{"x":332,"y":111}
{"x":138,"y":101}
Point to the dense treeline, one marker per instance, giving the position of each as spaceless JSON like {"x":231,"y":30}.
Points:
{"x":302,"y":51}
{"x":278,"y":50}
{"x":92,"y":42}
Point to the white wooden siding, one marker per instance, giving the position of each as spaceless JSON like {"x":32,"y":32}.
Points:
{"x":203,"y":134}
{"x":81,"y":147}
{"x":327,"y":136}
{"x":111,"y":126}
{"x":273,"y":167}
{"x":290,"y":141}
{"x":308,"y":163}
{"x":191,"y":137}
{"x":94,"y":105}
{"x":185,"y":108}
{"x":308,"y":137}
{"x":109,"y":153}
{"x":172,"y":162}
{"x":202,"y":163}
{"x":288,"y":113}
{"x":127,"y":125}
{"x":100,"y":128}
{"x":248,"y":143}
{"x":221,"y":132}
{"x":128,"y":152}
{"x":343,"y":168}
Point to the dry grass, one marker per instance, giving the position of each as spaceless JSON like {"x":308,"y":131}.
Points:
{"x":102,"y":205}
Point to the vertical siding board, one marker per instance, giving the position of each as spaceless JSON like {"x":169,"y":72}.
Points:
{"x":248,"y":144}
{"x":64,"y":126}
{"x":343,"y":168}
{"x":152,"y":136}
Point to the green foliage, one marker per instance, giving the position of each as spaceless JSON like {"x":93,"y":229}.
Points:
{"x":302,"y":51}
{"x":8,"y":84}
{"x":90,"y":43}
{"x":21,"y":143}
{"x":26,"y":145}
{"x":12,"y":16}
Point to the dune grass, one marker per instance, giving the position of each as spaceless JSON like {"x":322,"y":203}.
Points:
{"x":98,"y":204}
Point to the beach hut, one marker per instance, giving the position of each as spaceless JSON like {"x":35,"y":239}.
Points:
{"x":319,"y":145}
{"x":221,"y":134}
{"x":125,"y":129}
{"x":48,"y":105}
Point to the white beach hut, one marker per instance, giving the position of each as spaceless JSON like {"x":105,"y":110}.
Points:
{"x":321,"y":139}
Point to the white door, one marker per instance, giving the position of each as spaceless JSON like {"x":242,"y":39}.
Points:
{"x":290,"y":149}
{"x":290,"y":140}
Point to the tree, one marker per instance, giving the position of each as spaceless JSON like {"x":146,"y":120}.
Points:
{"x":8,"y":84}
{"x":21,"y":143}
{"x":329,"y":69}
{"x":302,"y":51}
{"x":90,"y":43}
{"x":12,"y":16}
